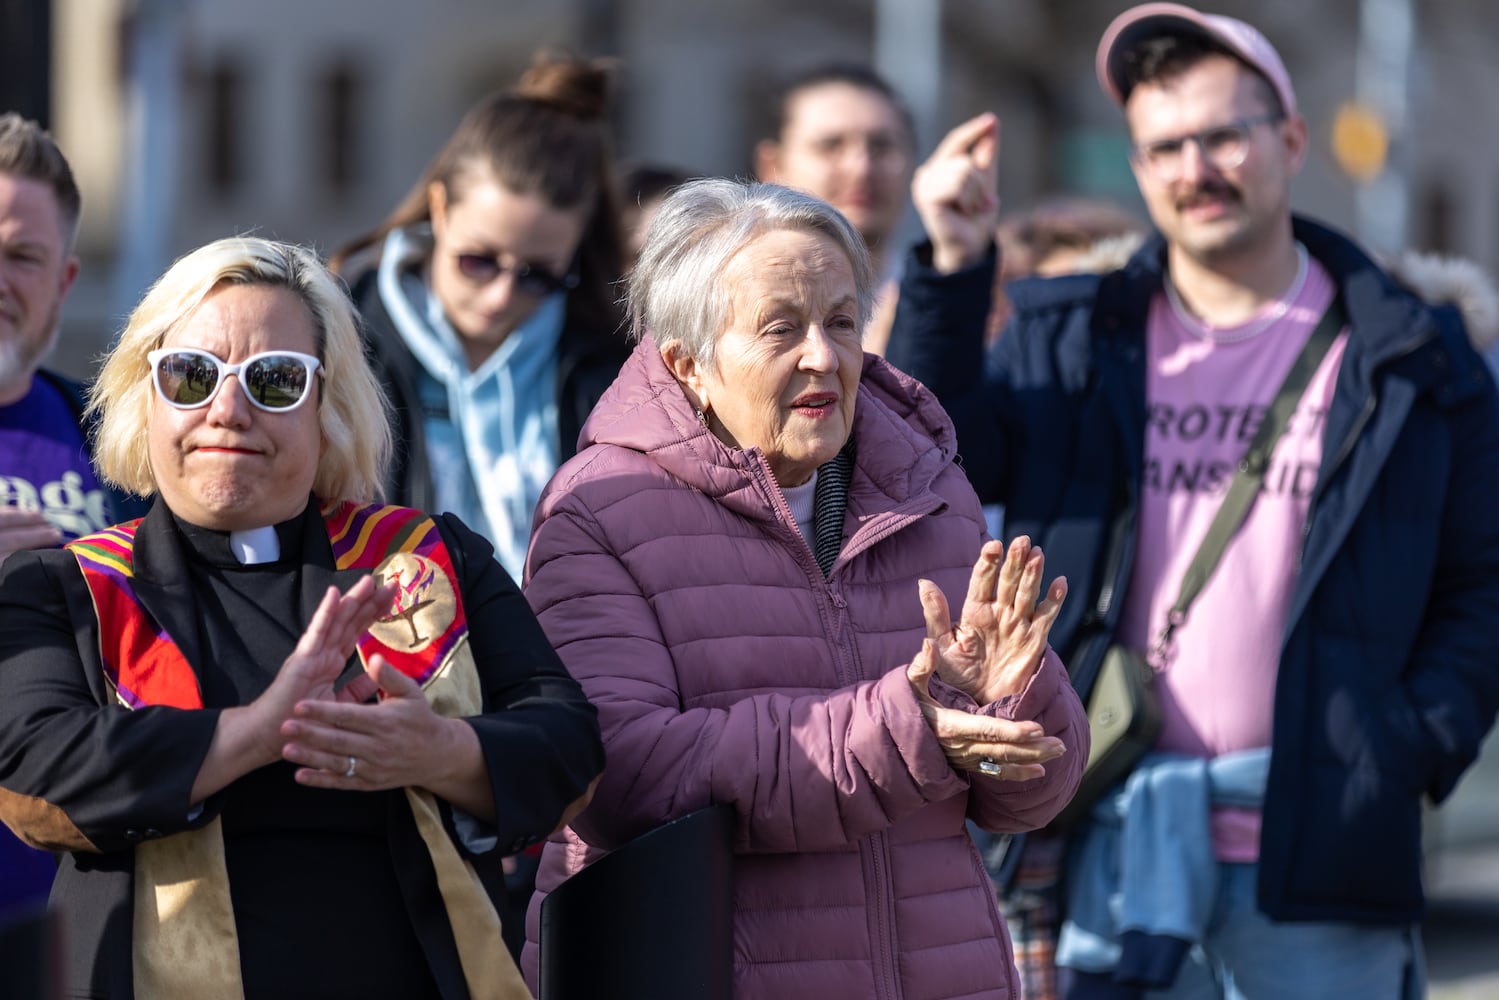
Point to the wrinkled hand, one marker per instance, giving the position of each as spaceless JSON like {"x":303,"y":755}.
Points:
{"x":25,"y":529}
{"x":997,"y":645}
{"x":396,"y":742}
{"x":310,"y":672}
{"x":956,"y":193}
{"x":1019,"y":748}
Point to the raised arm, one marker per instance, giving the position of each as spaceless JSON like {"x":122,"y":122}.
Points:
{"x":946,"y":294}
{"x":947,"y":287}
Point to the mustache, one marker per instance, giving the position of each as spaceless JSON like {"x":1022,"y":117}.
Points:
{"x":1211,"y":188}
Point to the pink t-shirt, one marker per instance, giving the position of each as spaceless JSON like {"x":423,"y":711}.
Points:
{"x":1207,"y":390}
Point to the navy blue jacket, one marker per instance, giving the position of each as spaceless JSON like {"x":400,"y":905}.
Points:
{"x":1389,"y":672}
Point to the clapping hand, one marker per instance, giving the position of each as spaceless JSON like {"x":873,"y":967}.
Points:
{"x":997,"y":644}
{"x":995,"y":748}
{"x":396,"y":742}
{"x":992,"y":653}
{"x":314,"y":666}
{"x":247,"y":737}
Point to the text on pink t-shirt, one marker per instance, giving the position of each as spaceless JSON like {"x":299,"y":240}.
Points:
{"x":1207,"y":392}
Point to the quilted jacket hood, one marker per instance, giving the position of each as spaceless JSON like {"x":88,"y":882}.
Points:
{"x":646,"y":411}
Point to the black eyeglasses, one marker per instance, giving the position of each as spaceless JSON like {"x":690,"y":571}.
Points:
{"x":188,"y":378}
{"x":529,"y":279}
{"x":1223,"y":146}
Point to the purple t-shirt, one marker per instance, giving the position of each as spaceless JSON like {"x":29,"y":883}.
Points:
{"x":43,"y":466}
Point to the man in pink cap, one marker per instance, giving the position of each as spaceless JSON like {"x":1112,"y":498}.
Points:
{"x":1336,"y":665}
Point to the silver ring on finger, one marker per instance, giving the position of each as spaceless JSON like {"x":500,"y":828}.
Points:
{"x":987,"y":765}
{"x":353,"y":764}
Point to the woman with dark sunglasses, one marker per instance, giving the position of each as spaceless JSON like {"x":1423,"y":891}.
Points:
{"x":272,"y":728}
{"x":488,"y":301}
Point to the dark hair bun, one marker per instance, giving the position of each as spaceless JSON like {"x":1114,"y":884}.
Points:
{"x":573,"y":86}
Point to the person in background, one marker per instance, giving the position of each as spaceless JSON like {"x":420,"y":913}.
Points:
{"x":489,"y":307}
{"x":1061,"y":234}
{"x":51,"y":492}
{"x":181,"y":712}
{"x":489,"y":304}
{"x":746,"y":570}
{"x":842,"y":134}
{"x":642,"y":187}
{"x":1337,"y":667}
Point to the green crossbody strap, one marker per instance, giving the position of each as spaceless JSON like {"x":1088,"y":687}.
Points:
{"x":1250,"y":474}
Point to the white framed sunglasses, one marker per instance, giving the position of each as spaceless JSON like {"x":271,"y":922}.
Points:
{"x":275,"y":381}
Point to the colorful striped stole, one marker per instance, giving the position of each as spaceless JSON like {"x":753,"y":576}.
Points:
{"x":141,"y":662}
{"x":185,"y":943}
{"x":426,"y":622}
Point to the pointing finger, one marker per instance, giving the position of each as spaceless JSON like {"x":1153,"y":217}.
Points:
{"x":985,"y":153}
{"x":961,"y":139}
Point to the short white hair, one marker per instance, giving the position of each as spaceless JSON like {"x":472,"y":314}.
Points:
{"x":676,"y":289}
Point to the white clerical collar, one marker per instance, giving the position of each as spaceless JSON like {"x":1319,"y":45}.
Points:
{"x":256,"y":545}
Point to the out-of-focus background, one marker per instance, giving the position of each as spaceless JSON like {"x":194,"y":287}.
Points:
{"x":186,"y":120}
{"x":306,"y":119}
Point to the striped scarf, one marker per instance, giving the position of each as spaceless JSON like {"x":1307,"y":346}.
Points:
{"x":829,"y":503}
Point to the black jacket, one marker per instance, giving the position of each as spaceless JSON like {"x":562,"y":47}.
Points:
{"x":92,"y":780}
{"x":1389,"y":671}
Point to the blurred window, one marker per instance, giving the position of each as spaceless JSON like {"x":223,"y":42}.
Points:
{"x":1438,"y":217}
{"x":225,"y":119}
{"x":25,"y":58}
{"x":340,"y":94}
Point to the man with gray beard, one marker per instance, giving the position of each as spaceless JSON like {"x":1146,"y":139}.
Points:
{"x":49,"y":493}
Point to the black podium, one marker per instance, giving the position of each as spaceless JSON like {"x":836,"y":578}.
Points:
{"x":653,"y":920}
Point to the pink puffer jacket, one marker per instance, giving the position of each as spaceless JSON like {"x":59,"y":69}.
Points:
{"x":670,"y":576}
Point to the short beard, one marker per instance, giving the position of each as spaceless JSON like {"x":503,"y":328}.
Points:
{"x":22,"y":356}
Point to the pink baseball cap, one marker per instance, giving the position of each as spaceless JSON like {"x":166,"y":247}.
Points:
{"x":1152,"y":19}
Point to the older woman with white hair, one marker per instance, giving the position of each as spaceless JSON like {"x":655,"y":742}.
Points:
{"x":745,"y":567}
{"x":267,"y":726}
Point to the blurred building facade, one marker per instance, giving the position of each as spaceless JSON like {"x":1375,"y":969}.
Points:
{"x":187,"y":120}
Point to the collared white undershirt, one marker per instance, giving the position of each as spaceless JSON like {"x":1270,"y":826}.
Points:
{"x":801,"y":499}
